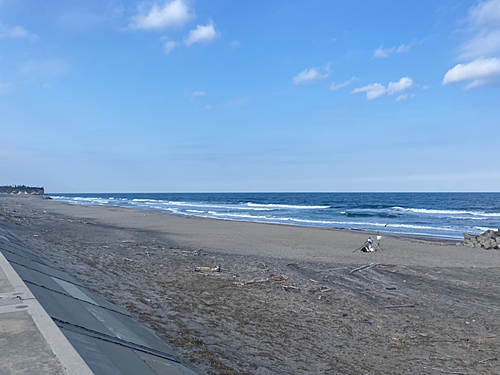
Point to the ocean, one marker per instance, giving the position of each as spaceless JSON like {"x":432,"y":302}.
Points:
{"x":437,"y":215}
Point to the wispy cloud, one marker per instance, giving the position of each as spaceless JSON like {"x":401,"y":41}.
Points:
{"x":312,"y":75}
{"x":382,"y":52}
{"x":202,"y":34}
{"x":196,"y":94}
{"x":230,"y":103}
{"x":17,"y":32}
{"x":5,"y":86}
{"x":56,"y":68}
{"x":376,"y":90}
{"x":335,"y":87}
{"x":484,"y":22}
{"x":402,"y":97}
{"x":479,"y":71}
{"x":174,"y":13}
{"x":169,"y":45}
{"x":235,"y":43}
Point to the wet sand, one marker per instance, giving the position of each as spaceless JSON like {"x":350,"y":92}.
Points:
{"x":317,"y":316}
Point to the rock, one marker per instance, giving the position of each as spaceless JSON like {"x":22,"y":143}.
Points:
{"x":488,"y":240}
{"x":489,"y":234}
{"x":468,"y":237}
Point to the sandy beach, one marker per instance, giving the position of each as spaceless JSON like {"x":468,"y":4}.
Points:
{"x":287,"y":299}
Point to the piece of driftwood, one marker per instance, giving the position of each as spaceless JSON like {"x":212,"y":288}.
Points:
{"x":449,"y":372}
{"x":488,"y":359}
{"x":397,"y":306}
{"x":207,"y":269}
{"x":255,"y":281}
{"x":366,"y":266}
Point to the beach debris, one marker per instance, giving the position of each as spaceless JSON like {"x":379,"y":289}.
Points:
{"x":398,"y":306}
{"x":489,"y":240}
{"x":254,"y":281}
{"x":276,"y":279}
{"x":325,"y":289}
{"x":488,"y":359}
{"x":365,"y":267}
{"x":369,"y":246}
{"x":207,"y":269}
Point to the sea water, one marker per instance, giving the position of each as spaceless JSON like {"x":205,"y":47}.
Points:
{"x":438,"y":215}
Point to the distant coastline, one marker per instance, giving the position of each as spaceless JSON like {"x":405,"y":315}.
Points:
{"x":21,"y":189}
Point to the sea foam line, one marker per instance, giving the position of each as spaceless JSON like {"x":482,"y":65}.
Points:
{"x":447,"y":212}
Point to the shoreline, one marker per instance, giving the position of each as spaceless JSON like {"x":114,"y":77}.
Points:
{"x":353,"y":230}
{"x":286,"y":299}
{"x":398,"y":216}
{"x":278,"y":240}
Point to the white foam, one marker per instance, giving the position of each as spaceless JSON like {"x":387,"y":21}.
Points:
{"x":287,"y":206}
{"x":447,"y":212}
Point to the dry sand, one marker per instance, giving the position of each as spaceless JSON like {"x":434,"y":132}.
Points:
{"x":287,"y":300}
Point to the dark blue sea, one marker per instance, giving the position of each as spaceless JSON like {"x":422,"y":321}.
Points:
{"x":438,"y":215}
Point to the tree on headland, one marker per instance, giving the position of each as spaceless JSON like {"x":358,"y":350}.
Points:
{"x":21,"y":189}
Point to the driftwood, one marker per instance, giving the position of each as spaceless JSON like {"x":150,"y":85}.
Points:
{"x":397,"y":306}
{"x":255,"y":281}
{"x":207,"y":269}
{"x":365,"y":267}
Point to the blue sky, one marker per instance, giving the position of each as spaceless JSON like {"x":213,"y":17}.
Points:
{"x":207,"y":96}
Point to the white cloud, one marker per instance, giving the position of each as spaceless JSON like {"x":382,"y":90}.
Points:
{"x":484,"y":21}
{"x":17,"y":32}
{"x":382,"y":52}
{"x":169,"y":46}
{"x":173,"y":13}
{"x":402,"y":97}
{"x":485,"y":13}
{"x":485,"y":43}
{"x":334,"y":87}
{"x":373,"y":91}
{"x":235,"y":43}
{"x":426,"y":87}
{"x":403,"y":48}
{"x":205,"y":34}
{"x":208,"y":107}
{"x":480,"y":72}
{"x":197,"y":94}
{"x":403,"y":84}
{"x":376,"y":90}
{"x":312,"y":76}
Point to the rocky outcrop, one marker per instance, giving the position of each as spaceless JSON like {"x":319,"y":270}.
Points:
{"x":21,"y":189}
{"x":489,"y":240}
